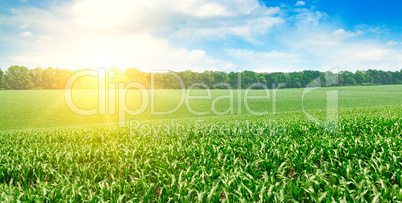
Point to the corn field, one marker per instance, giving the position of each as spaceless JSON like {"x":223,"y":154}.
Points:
{"x":258,"y":158}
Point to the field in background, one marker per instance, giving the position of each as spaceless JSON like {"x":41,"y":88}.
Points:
{"x":47,"y":108}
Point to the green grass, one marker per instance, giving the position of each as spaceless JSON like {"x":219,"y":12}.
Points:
{"x":282,"y":157}
{"x":47,"y":108}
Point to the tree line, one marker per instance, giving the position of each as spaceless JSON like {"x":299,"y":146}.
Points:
{"x":20,"y":77}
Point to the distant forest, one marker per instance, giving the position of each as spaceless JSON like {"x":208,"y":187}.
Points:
{"x":20,"y":77}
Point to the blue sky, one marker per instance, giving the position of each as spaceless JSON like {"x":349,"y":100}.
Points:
{"x":198,"y":35}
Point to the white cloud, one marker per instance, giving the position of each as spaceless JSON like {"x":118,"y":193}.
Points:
{"x":311,"y":44}
{"x":139,"y":16}
{"x":273,"y":61}
{"x":259,"y":21}
{"x":152,"y":35}
{"x":300,"y":3}
{"x":267,"y":55}
{"x":391,"y":43}
{"x":346,"y":34}
{"x":247,"y":29}
{"x":323,"y":38}
{"x":308,"y":20}
{"x":25,"y":34}
{"x":25,"y":25}
{"x":103,"y":33}
{"x":141,"y":51}
{"x":350,"y":56}
{"x":332,"y":48}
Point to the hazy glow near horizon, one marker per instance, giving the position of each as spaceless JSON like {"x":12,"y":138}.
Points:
{"x":197,"y":35}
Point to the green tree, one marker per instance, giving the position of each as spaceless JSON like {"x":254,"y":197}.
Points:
{"x":274,"y":79}
{"x":166,"y":81}
{"x":207,"y":78}
{"x":387,"y":77}
{"x":294,"y":79}
{"x":49,"y":79}
{"x":359,"y":77}
{"x":322,"y":79}
{"x":350,"y":81}
{"x":36,"y":77}
{"x":248,"y":78}
{"x":2,"y":80}
{"x":261,"y":79}
{"x":331,"y":79}
{"x":381,"y":76}
{"x":367,"y":78}
{"x":61,"y":77}
{"x":374,"y":75}
{"x":395,"y":77}
{"x":308,"y":77}
{"x":18,"y":78}
{"x":187,"y":77}
{"x":220,"y":77}
{"x":345,"y":78}
{"x":233,"y":79}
